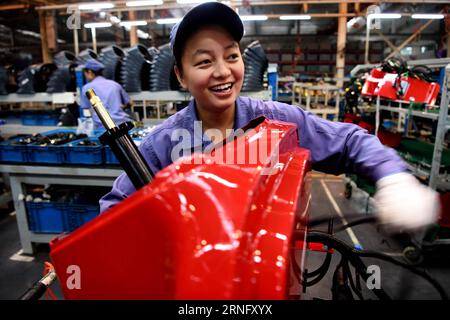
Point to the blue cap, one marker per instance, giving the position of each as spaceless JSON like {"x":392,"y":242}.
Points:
{"x":93,"y":65}
{"x":208,"y":13}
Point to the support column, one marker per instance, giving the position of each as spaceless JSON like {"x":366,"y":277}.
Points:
{"x":133,"y":30}
{"x":448,"y":44}
{"x":46,"y":56}
{"x":341,"y":39}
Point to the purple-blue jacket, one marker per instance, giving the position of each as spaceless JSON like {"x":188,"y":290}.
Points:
{"x":335,"y":147}
{"x":113,"y":97}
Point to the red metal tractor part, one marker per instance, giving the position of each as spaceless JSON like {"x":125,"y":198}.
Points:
{"x":406,"y":88}
{"x":201,"y":229}
{"x":371,"y":83}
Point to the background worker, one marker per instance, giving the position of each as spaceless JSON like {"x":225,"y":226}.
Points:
{"x":114,"y":97}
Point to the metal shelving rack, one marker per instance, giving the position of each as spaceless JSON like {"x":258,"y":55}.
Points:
{"x":55,"y":98}
{"x":435,"y":179}
{"x":157,"y":99}
{"x":47,"y":174}
{"x":315,"y":99}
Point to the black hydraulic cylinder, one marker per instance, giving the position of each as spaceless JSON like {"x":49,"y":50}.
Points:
{"x":121,"y":144}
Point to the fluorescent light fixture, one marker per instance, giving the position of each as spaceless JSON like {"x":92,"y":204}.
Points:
{"x":114,"y":19}
{"x":296,"y":17}
{"x":144,"y":3}
{"x":143,"y":35}
{"x":384,"y":16}
{"x":168,"y":20}
{"x":194,"y":1}
{"x":133,"y":23}
{"x":96,"y":6}
{"x":427,"y":16}
{"x":254,"y":18}
{"x":97,"y":25}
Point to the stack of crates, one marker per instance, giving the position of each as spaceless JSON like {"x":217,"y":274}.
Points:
{"x":65,"y":213}
{"x":12,"y":151}
{"x":76,"y":152}
{"x":40,"y":118}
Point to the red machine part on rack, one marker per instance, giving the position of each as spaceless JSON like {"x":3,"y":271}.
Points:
{"x":406,"y":88}
{"x":200,"y":230}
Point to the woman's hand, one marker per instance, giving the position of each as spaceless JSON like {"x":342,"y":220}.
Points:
{"x":404,"y":204}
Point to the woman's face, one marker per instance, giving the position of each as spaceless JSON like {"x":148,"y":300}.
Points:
{"x":212,"y":68}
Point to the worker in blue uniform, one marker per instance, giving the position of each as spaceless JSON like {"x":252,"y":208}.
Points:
{"x":110,"y":92}
{"x":209,"y":65}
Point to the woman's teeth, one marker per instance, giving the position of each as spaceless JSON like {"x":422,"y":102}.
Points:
{"x":222,"y":87}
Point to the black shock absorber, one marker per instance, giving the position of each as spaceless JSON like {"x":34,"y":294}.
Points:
{"x":121,"y":144}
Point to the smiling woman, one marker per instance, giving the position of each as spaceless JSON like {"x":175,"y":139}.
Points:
{"x":209,"y":65}
{"x":213,"y":73}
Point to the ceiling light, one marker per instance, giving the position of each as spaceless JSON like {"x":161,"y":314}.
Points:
{"x":254,"y":18}
{"x":296,"y":17}
{"x":133,"y":23}
{"x":96,"y":6}
{"x":384,"y":16}
{"x":168,"y":20}
{"x":427,"y":16}
{"x":114,"y":19}
{"x":194,"y":1}
{"x":144,"y":3}
{"x":98,"y":25}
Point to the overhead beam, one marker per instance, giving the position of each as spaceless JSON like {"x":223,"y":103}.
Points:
{"x":410,"y":38}
{"x":385,"y":39}
{"x":7,"y":7}
{"x":120,"y":5}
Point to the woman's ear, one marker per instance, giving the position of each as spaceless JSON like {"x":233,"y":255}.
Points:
{"x":179,"y":75}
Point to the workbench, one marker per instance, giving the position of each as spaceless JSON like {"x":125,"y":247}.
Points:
{"x":46,"y":174}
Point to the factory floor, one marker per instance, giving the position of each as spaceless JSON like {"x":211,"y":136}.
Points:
{"x":18,"y":272}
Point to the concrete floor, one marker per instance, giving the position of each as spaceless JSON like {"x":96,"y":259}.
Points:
{"x":396,"y":281}
{"x":18,"y":272}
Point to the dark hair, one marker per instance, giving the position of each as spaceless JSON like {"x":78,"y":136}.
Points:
{"x":179,"y":48}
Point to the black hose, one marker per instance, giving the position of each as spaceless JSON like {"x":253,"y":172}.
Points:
{"x":354,"y":256}
{"x":349,"y":253}
{"x":357,"y":216}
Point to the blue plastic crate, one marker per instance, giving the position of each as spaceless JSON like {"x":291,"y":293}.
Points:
{"x":48,"y":154}
{"x":80,"y":214}
{"x":77,"y":154}
{"x":110,"y":158}
{"x":30,"y":120}
{"x":13,"y":153}
{"x":49,"y":119}
{"x":48,"y":217}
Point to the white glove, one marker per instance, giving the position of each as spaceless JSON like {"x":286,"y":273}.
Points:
{"x":404,"y":204}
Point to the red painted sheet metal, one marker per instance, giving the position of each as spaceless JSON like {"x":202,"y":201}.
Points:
{"x":406,"y":88}
{"x":203,"y":229}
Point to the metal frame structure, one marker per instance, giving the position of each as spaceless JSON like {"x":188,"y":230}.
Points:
{"x":443,"y":125}
{"x":56,"y":98}
{"x":328,"y":91}
{"x":19,"y":175}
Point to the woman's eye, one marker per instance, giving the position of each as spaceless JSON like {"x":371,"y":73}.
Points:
{"x":234,"y":56}
{"x":203,"y":62}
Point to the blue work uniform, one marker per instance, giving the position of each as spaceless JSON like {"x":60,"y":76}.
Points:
{"x":335,"y":147}
{"x":113,"y":97}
